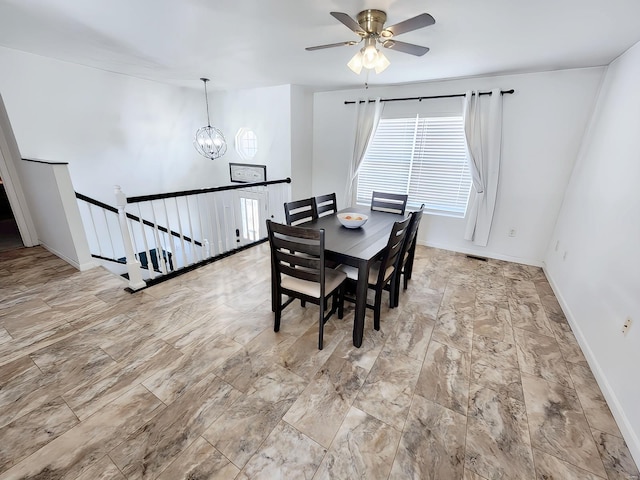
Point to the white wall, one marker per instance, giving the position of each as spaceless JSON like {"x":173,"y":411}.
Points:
{"x":266,"y":111}
{"x":119,"y":130}
{"x":598,"y":283}
{"x":543,"y":125}
{"x":301,"y":142}
{"x":55,"y":212}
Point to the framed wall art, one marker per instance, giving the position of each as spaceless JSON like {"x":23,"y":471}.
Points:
{"x":247,"y":173}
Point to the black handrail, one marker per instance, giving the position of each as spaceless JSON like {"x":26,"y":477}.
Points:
{"x":135,"y":218}
{"x":95,"y":202}
{"x":45,"y":162}
{"x":115,"y":260}
{"x":159,"y":196}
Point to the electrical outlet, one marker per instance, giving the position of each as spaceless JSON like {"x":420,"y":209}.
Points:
{"x":512,"y":232}
{"x":626,"y":326}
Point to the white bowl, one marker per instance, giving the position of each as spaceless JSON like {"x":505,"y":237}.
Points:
{"x":352,"y":219}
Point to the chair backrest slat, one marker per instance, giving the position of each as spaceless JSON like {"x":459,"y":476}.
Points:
{"x":389,"y":202}
{"x":297,"y":252}
{"x":295,"y":244}
{"x":302,"y":274}
{"x":326,"y":204}
{"x":392,"y":252}
{"x":300,"y":211}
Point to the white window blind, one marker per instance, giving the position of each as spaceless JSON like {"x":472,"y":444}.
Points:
{"x":423,"y":157}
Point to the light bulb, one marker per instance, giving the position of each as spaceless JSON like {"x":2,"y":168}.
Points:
{"x":370,"y":56}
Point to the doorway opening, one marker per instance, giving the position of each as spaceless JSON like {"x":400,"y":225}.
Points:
{"x":10,"y":238}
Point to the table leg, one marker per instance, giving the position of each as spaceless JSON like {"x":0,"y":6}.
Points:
{"x":361,"y":303}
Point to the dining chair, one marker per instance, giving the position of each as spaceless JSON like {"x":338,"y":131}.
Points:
{"x":382,"y":273}
{"x":326,"y":204}
{"x":405,"y":263}
{"x":300,"y":211}
{"x":298,"y":271}
{"x":389,"y":202}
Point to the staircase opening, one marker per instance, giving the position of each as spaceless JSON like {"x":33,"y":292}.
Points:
{"x":10,"y":238}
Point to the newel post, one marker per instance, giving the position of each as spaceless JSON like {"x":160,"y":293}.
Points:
{"x":133,"y":266}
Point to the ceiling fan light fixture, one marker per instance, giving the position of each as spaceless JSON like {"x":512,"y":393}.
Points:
{"x":370,"y":58}
{"x":382,"y":63}
{"x":369,"y":26}
{"x":355,"y":64}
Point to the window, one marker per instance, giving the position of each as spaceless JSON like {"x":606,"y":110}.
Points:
{"x":246,"y":143}
{"x":423,"y":157}
{"x":250,"y":218}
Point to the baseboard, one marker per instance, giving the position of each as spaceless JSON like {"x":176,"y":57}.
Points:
{"x":482,"y":253}
{"x":88,"y":265}
{"x":630,"y":436}
{"x":70,"y":261}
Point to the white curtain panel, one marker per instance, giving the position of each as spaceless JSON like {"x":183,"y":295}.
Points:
{"x":367,"y":119}
{"x":483,"y":132}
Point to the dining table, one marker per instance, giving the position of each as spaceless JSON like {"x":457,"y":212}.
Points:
{"x":358,"y":247}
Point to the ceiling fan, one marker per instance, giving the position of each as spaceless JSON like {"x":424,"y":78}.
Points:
{"x":369,"y":26}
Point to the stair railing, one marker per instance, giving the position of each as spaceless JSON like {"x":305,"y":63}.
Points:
{"x":164,"y":234}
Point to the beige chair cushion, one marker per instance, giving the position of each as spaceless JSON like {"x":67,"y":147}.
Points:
{"x":373,"y":273}
{"x":352,"y":272}
{"x":332,"y":279}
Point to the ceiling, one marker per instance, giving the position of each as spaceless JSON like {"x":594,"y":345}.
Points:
{"x":257,"y":43}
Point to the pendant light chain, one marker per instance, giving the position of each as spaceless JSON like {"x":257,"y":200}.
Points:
{"x":206,"y":99}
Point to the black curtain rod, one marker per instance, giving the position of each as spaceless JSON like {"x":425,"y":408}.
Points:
{"x":503,"y":92}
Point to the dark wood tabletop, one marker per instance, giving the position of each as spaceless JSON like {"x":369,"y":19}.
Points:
{"x":363,"y":242}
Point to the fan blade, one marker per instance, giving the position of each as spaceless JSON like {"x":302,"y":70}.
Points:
{"x":404,"y":47}
{"x":348,"y":22}
{"x":421,"y":21}
{"x":331,"y":45}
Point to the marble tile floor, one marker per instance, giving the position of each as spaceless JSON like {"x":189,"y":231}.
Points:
{"x":476,"y":376}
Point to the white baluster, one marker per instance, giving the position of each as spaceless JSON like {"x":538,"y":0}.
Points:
{"x":169,"y":236}
{"x":95,"y":230}
{"x":219,"y":241}
{"x":185,"y":260}
{"x":204,"y":251}
{"x":192,"y":244}
{"x":160,"y":250}
{"x":133,"y":266}
{"x":150,"y":268}
{"x":106,"y":222}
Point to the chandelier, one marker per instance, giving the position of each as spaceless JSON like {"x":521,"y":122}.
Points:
{"x":209,"y":141}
